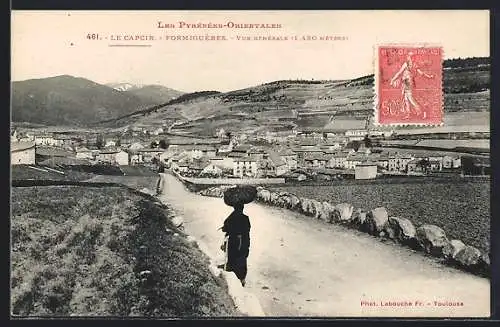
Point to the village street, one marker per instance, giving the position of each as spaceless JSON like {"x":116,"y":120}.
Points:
{"x":299,"y":266}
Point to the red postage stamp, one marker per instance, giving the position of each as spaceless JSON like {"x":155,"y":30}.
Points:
{"x":408,"y":85}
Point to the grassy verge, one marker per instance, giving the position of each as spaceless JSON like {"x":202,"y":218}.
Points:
{"x":135,"y":182}
{"x":105,"y":252}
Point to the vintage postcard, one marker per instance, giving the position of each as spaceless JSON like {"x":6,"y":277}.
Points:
{"x":170,"y":164}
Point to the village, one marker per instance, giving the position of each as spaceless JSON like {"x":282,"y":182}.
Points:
{"x":296,"y":155}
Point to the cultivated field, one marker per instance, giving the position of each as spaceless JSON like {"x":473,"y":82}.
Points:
{"x":450,"y":144}
{"x":80,"y":251}
{"x":461,"y":208}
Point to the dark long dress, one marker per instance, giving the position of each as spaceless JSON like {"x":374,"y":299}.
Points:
{"x":237,"y":228}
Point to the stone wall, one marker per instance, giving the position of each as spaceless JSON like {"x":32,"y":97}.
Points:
{"x":429,"y":239}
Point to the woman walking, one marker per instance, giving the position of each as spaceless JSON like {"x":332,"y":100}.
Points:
{"x":237,"y":229}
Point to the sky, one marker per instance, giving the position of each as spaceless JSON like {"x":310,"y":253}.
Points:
{"x":51,"y":43}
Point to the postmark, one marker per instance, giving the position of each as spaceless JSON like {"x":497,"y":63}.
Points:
{"x":408,"y":85}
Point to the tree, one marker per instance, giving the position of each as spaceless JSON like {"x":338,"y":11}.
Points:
{"x":99,"y":143}
{"x":468,"y":165}
{"x":424,"y":164}
{"x":355,"y":145}
{"x":118,"y":142}
{"x":367,"y":141}
{"x":163,"y":144}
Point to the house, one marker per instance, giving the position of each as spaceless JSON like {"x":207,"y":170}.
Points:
{"x":22,"y":153}
{"x":245,"y":166}
{"x":435,"y":165}
{"x":136,"y":158}
{"x":62,"y":140}
{"x":365,"y":170}
{"x":308,"y":144}
{"x":375,"y":133}
{"x":176,"y":159}
{"x":182,"y":167}
{"x":84,"y":153}
{"x":196,"y":167}
{"x":415,"y":166}
{"x":450,"y":162}
{"x":316,"y":160}
{"x":258,"y":153}
{"x":114,"y":156}
{"x":399,"y":162}
{"x":212,"y":170}
{"x":337,"y":160}
{"x":356,"y":134}
{"x":45,"y":139}
{"x":331,"y":146}
{"x":234,"y":155}
{"x":149,"y":154}
{"x":208,"y":151}
{"x":383,"y":161}
{"x":289,"y":157}
{"x":243,"y":149}
{"x":223,"y":162}
{"x":278,"y":165}
{"x":225,"y":149}
{"x":364,"y":149}
{"x":136,"y":146}
{"x":353,"y":160}
{"x":110,"y":143}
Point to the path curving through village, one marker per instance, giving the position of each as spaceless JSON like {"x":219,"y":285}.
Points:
{"x":299,"y":266}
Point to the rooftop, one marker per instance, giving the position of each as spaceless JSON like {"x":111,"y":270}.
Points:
{"x":246,"y":159}
{"x":83,"y":149}
{"x":151,"y":150}
{"x":276,"y":159}
{"x":286,"y":152}
{"x":110,"y":150}
{"x":356,"y":157}
{"x":242,"y":148}
{"x":54,"y":152}
{"x":317,"y":156}
{"x":366,"y":164}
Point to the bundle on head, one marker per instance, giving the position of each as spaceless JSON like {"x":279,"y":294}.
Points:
{"x":239,"y":195}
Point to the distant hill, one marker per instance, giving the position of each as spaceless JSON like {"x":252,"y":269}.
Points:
{"x":281,"y":105}
{"x":68,"y":100}
{"x":149,"y":94}
{"x":274,"y":106}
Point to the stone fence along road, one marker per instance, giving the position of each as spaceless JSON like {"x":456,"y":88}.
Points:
{"x":303,"y":267}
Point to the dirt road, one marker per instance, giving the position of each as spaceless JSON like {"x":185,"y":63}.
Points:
{"x":299,"y":266}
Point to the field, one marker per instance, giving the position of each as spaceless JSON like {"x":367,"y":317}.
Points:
{"x":24,"y":172}
{"x":450,"y":144}
{"x":461,"y":208}
{"x":79,"y":251}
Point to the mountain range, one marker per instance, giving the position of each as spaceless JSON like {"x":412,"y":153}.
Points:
{"x":75,"y":101}
{"x":149,"y":94}
{"x":274,"y":106}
